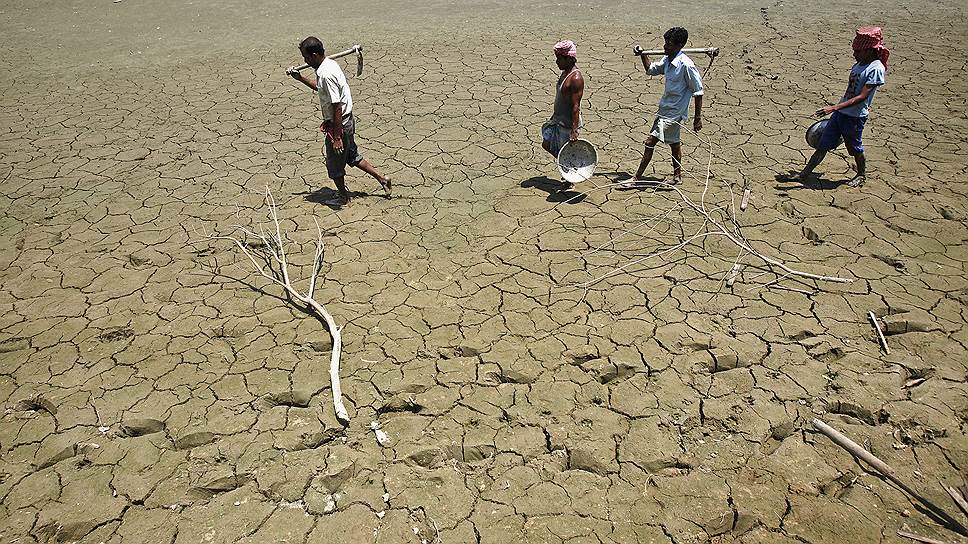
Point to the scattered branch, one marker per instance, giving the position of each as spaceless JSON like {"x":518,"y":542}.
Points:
{"x":715,"y":221}
{"x":920,"y":538}
{"x":880,"y":334}
{"x":933,"y":510}
{"x":957,"y":497}
{"x":267,"y":253}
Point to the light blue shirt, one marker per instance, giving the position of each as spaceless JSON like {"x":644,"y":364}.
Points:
{"x":861,"y":75}
{"x":682,"y":82}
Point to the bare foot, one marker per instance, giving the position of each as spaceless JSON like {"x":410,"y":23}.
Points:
{"x":386,"y":184}
{"x":676,"y":179}
{"x":857,"y":181}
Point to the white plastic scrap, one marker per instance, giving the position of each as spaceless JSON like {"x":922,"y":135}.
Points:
{"x":381,"y":437}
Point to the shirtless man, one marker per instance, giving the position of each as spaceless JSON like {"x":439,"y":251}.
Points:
{"x":566,"y":119}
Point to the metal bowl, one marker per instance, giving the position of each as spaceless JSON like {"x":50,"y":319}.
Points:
{"x":816,"y":131}
{"x":577,"y":161}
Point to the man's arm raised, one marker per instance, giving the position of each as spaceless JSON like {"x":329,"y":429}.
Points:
{"x":304,"y":80}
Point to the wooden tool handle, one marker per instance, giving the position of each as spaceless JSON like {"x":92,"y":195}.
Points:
{"x":355,"y":49}
{"x":711,"y":51}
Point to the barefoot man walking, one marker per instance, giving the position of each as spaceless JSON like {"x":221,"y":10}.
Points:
{"x":338,"y":124}
{"x":682,"y":82}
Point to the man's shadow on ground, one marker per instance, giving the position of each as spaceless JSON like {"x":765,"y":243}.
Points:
{"x":814,"y":182}
{"x":558,"y":191}
{"x":653,"y":183}
{"x":328,"y":197}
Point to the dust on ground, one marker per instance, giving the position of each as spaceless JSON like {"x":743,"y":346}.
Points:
{"x":154,"y":387}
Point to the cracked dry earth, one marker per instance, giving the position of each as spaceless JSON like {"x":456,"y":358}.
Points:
{"x":154,"y":389}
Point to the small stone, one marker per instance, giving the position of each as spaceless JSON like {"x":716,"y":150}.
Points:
{"x":381,"y":513}
{"x":238,"y":503}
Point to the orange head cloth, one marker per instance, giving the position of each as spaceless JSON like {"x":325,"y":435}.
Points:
{"x":870,"y":37}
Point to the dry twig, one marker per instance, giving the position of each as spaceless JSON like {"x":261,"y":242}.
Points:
{"x":920,"y":538}
{"x":270,"y":248}
{"x":957,"y":497}
{"x":880,"y":334}
{"x":859,"y":452}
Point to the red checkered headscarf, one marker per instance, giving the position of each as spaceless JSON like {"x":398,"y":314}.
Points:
{"x":566,"y":48}
{"x":870,"y":37}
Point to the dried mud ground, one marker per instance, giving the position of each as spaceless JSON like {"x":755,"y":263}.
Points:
{"x":155,"y":389}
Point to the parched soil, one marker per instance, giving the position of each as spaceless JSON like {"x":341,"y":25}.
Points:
{"x":544,"y":370}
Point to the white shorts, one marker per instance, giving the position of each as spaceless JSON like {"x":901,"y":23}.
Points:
{"x":666,"y":130}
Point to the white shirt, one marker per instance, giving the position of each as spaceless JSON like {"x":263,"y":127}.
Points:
{"x":332,"y":88}
{"x":682,"y":82}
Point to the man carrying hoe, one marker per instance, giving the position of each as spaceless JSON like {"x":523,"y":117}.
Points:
{"x":338,"y":124}
{"x":682,"y":83}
